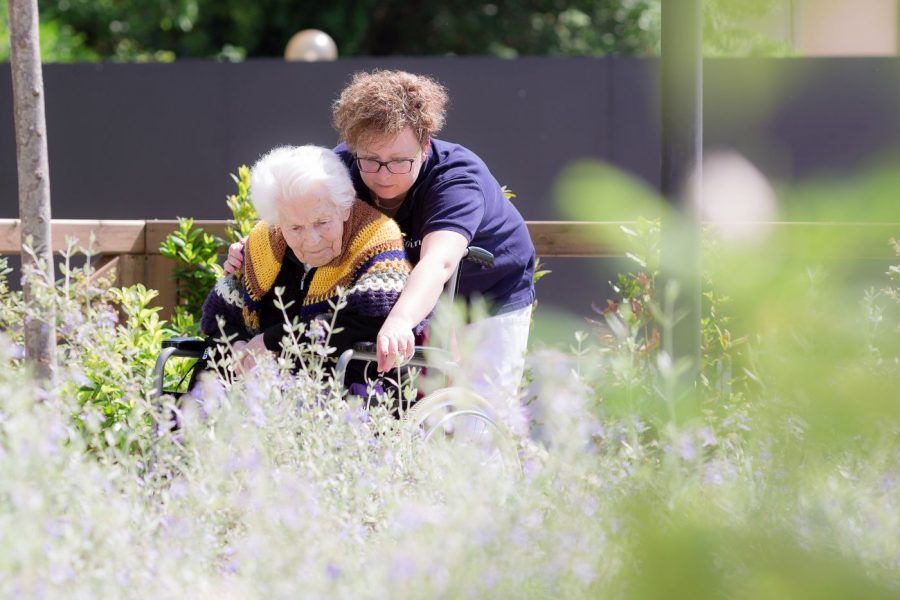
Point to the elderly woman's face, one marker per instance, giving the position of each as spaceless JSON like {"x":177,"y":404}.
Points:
{"x":313,"y":226}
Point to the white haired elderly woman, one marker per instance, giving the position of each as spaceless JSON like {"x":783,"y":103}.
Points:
{"x":314,"y":237}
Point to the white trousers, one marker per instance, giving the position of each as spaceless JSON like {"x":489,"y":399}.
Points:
{"x":492,"y":358}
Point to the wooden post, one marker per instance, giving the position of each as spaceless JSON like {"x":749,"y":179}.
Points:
{"x":121,"y":270}
{"x":34,"y":180}
{"x":159,"y":278}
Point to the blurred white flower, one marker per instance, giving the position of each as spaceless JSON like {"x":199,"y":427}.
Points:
{"x":736,"y":198}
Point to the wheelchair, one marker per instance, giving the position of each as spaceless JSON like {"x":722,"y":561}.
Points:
{"x":449,"y":415}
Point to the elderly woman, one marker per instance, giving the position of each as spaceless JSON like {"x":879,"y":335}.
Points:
{"x":314,"y":237}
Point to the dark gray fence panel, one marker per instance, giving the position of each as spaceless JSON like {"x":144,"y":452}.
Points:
{"x":799,"y":118}
{"x":158,"y":141}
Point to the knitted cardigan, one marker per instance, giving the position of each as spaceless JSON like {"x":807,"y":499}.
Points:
{"x":372,"y":267}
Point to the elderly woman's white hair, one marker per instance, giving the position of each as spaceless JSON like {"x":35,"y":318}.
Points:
{"x":290,"y":172}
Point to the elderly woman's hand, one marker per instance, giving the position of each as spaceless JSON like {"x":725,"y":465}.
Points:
{"x":235,"y":257}
{"x":248,"y":351}
{"x":395,"y":343}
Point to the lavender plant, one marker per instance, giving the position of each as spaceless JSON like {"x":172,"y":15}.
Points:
{"x":275,"y":484}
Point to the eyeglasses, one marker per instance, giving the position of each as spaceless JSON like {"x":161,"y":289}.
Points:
{"x":398,"y":166}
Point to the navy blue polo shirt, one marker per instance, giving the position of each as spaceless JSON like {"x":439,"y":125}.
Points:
{"x":455,"y":191}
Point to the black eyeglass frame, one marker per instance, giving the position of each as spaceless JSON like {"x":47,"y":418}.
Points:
{"x":387,"y":163}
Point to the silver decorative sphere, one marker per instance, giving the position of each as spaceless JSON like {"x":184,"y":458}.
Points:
{"x":311,"y":45}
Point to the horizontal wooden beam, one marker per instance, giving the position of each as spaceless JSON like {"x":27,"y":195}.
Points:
{"x":575,"y":238}
{"x":551,"y":238}
{"x":110,"y":237}
{"x":158,"y":229}
{"x":834,"y":240}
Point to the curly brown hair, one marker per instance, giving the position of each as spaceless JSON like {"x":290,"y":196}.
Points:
{"x":383,"y":103}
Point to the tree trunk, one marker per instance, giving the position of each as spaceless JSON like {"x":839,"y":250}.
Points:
{"x":34,"y":181}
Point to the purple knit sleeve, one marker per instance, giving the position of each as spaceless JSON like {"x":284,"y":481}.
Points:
{"x":216,"y":306}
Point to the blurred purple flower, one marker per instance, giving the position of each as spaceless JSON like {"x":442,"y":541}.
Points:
{"x":584,"y":572}
{"x":532,"y":467}
{"x":707,"y":437}
{"x":520,"y":538}
{"x":61,"y":573}
{"x":490,"y":577}
{"x":717,"y":473}
{"x":403,"y":567}
{"x":356,"y":414}
{"x":53,"y":527}
{"x":107,"y":318}
{"x":639,"y":425}
{"x":534,"y":519}
{"x":686,"y":448}
{"x":616,"y":525}
{"x":598,"y":430}
{"x":230,"y":567}
{"x":316,"y":330}
{"x":410,"y":520}
{"x":713,"y":475}
{"x":247,"y":461}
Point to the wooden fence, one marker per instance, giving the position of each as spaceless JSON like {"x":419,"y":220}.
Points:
{"x":130,"y":249}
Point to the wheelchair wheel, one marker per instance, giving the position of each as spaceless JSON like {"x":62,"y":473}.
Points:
{"x":460,"y":416}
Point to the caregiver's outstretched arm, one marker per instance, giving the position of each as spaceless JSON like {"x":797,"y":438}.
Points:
{"x":440,"y":255}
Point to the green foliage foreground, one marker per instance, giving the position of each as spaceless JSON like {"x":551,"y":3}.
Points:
{"x":777,"y":478}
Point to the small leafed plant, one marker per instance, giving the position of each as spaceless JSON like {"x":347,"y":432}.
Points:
{"x":196,"y":254}
{"x":241,"y":207}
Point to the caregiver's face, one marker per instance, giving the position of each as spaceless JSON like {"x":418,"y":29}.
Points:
{"x":389,"y":166}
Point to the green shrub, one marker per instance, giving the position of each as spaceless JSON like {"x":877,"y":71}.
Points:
{"x":242,"y":211}
{"x":196,"y":255}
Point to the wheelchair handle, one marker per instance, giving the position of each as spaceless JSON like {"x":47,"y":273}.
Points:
{"x":479,"y":256}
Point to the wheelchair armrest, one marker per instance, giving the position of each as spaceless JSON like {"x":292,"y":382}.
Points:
{"x":182,"y":346}
{"x":187,"y":344}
